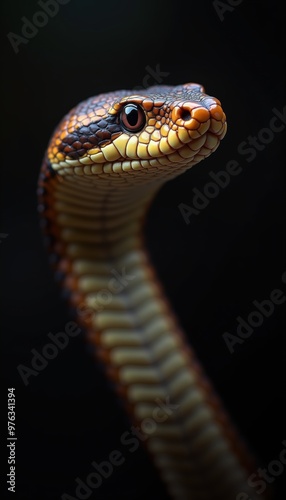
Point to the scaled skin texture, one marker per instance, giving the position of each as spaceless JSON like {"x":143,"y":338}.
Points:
{"x":104,"y":164}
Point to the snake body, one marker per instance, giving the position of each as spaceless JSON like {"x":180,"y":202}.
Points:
{"x":104,"y":164}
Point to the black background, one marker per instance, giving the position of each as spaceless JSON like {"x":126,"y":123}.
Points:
{"x":212,"y":268}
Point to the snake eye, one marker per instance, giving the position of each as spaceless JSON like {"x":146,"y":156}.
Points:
{"x":132,"y":117}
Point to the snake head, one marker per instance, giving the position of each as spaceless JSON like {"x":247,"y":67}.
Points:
{"x":160,"y":129}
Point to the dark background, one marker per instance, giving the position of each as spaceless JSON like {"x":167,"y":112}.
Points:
{"x":213,"y":268}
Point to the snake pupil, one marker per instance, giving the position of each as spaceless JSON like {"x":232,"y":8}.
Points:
{"x":132,"y":117}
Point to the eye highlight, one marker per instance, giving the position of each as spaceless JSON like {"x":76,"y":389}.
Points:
{"x":132,"y":117}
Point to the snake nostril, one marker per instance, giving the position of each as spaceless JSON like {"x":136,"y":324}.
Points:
{"x":189,"y":115}
{"x":185,"y":115}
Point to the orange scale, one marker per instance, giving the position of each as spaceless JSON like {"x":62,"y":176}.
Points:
{"x":201,"y":114}
{"x":216,"y":112}
{"x":159,"y":103}
{"x":116,"y":106}
{"x":147,"y":104}
{"x":62,"y":135}
{"x":86,"y":121}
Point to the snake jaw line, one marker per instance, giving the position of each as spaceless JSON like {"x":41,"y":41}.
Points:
{"x":146,"y":156}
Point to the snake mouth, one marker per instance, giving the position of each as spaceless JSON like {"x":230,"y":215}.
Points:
{"x":166,"y":165}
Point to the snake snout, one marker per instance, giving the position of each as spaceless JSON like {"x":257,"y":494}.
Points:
{"x":190,"y":115}
{"x":217,"y":116}
{"x":204,"y":115}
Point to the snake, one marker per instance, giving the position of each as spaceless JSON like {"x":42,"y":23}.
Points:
{"x":104,"y":164}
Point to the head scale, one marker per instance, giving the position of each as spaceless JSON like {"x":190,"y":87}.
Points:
{"x":122,"y":132}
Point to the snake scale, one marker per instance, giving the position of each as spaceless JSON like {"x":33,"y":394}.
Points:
{"x":104,"y":164}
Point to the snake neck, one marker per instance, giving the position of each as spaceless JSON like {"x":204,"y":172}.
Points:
{"x":97,"y":236}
